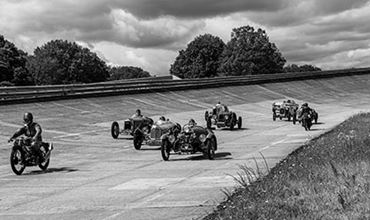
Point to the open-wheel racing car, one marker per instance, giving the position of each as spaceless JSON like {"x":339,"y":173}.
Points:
{"x":222,"y":117}
{"x":130,"y":125}
{"x":152,"y":136}
{"x":190,"y":140}
{"x":286,"y":109}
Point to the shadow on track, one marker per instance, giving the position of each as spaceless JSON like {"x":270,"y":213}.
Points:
{"x":218,"y":156}
{"x":52,"y":170}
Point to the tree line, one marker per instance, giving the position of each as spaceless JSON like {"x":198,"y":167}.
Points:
{"x":58,"y":62}
{"x":249,"y":52}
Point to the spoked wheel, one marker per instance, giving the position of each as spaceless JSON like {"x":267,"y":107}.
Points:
{"x":115,"y":130}
{"x":165,"y":150}
{"x":138,"y":141}
{"x":16,"y":161}
{"x":240,"y":122}
{"x":44,"y":164}
{"x":211,"y":148}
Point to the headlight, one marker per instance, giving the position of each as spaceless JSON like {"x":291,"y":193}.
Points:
{"x":202,"y":137}
{"x":171,"y":138}
{"x":226,"y":117}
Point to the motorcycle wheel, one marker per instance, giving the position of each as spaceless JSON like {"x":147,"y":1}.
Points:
{"x":16,"y":158}
{"x":294,"y":119}
{"x":240,"y":122}
{"x":209,"y":123}
{"x":165,"y":150}
{"x":44,"y":165}
{"x":115,"y":130}
{"x":274,"y":117}
{"x":211,"y":149}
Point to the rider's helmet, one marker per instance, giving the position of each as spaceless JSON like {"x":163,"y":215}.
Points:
{"x":28,"y":118}
{"x":305,"y":105}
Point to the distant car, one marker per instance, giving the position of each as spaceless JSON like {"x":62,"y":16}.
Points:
{"x":153,"y":136}
{"x":221,"y":116}
{"x":286,"y":109}
{"x":190,"y":140}
{"x":130,"y":125}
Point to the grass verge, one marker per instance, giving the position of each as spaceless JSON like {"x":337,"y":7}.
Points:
{"x":327,"y":178}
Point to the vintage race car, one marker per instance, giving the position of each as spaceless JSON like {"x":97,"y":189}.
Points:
{"x":222,"y":117}
{"x":190,"y":140}
{"x":130,"y":125}
{"x":153,"y":136}
{"x":286,"y":109}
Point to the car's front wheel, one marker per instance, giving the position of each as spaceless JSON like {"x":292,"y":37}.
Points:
{"x":211,"y":148}
{"x":165,"y":150}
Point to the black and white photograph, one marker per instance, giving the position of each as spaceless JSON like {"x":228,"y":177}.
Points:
{"x":184,"y":110}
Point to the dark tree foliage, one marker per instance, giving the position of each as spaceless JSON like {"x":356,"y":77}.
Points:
{"x":303,"y":68}
{"x":200,"y":59}
{"x":12,"y":63}
{"x":63,"y":62}
{"x":250,"y":52}
{"x":127,"y":72}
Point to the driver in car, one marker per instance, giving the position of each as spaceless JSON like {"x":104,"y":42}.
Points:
{"x":137,"y":114}
{"x":31,"y":130}
{"x":192,"y":123}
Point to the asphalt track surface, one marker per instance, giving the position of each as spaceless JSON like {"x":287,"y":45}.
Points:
{"x":93,"y":176}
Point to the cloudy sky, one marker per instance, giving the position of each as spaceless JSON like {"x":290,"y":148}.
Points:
{"x":330,"y":34}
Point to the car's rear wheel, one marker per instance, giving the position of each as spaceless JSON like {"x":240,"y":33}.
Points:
{"x":138,"y":140}
{"x":240,"y":122}
{"x":115,"y":130}
{"x":165,"y":150}
{"x":294,"y":118}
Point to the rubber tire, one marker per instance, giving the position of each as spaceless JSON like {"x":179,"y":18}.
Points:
{"x":294,"y":119}
{"x":43,"y":166}
{"x":240,"y":122}
{"x":20,"y":171}
{"x":273,"y":117}
{"x":137,"y":142}
{"x":206,"y":114}
{"x":164,"y":151}
{"x":210,"y":149}
{"x":115,"y":130}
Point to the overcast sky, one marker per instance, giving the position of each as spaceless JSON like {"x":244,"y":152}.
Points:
{"x":330,"y":34}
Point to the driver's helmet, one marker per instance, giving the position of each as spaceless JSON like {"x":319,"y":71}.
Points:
{"x":304,"y":105}
{"x":191,"y":122}
{"x":28,"y":118}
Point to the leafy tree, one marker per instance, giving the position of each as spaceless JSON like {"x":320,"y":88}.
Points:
{"x":200,"y":59}
{"x":303,"y":68}
{"x":63,"y":62}
{"x":12,"y":60}
{"x":127,"y":72}
{"x":250,"y":52}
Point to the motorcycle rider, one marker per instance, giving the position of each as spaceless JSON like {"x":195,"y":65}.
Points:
{"x":161,"y":120}
{"x":31,"y":130}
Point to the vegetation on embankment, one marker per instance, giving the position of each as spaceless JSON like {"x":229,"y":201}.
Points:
{"x":327,"y":178}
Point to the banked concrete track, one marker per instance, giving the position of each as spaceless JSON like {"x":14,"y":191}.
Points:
{"x":93,"y":176}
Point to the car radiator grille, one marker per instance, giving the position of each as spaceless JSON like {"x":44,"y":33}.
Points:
{"x":156,"y":133}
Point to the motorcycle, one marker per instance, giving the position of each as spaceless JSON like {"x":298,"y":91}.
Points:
{"x":306,"y":121}
{"x":22,"y":155}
